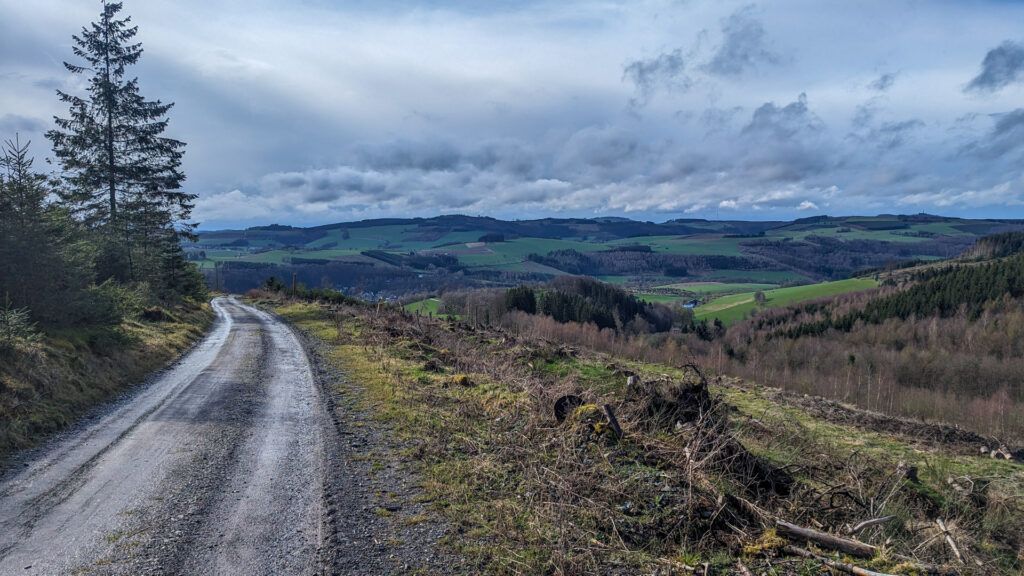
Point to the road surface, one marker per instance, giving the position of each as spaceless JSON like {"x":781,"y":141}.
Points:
{"x":215,"y":467}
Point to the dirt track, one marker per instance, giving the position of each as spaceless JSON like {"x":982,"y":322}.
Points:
{"x":215,"y":467}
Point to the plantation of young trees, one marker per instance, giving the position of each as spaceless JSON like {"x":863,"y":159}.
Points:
{"x":99,"y":239}
{"x":947,"y":347}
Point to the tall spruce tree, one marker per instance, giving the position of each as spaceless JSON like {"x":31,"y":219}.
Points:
{"x":124,"y":177}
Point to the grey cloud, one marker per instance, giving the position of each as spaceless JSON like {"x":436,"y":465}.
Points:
{"x":292,"y":180}
{"x":886,"y":135}
{"x":664,"y":71}
{"x":1007,"y":135}
{"x":744,"y":45}
{"x":318,"y":195}
{"x":716,"y":120}
{"x":11,"y":123}
{"x":865,"y":114}
{"x":785,"y":143}
{"x":783,"y":123}
{"x":1002,"y":66}
{"x":50,"y":83}
{"x":427,"y":157}
{"x":883,"y":82}
{"x":892,"y":135}
{"x":598,"y":147}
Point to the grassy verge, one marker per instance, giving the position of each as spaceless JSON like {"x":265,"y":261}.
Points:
{"x":528,"y":495}
{"x":49,"y":386}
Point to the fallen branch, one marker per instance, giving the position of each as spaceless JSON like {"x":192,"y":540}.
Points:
{"x":847,"y":545}
{"x":833,"y":564}
{"x":869,"y":523}
{"x":949,"y":539}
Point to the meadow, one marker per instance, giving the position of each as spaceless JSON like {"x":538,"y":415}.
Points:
{"x":735,"y":307}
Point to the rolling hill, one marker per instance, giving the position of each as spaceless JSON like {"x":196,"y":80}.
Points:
{"x":401,"y":256}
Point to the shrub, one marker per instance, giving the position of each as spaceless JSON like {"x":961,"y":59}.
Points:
{"x":157,"y":314}
{"x":109,"y":303}
{"x":16,"y":327}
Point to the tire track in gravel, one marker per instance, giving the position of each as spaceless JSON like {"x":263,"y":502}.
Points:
{"x":217,"y":466}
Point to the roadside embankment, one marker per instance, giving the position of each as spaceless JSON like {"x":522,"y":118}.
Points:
{"x":51,"y":384}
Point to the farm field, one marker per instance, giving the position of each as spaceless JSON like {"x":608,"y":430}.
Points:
{"x":703,"y":288}
{"x":428,"y":307}
{"x":660,"y":298}
{"x":735,"y":307}
{"x":516,"y":251}
{"x":703,"y":245}
{"x":753,"y":276}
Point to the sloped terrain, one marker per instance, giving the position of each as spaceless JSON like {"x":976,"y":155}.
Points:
{"x":654,"y":469}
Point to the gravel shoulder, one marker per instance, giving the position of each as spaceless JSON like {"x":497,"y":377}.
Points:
{"x":375,"y":509}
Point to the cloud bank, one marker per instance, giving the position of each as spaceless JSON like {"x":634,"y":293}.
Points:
{"x":308,"y":112}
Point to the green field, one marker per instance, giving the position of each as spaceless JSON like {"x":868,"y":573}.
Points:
{"x":703,"y":288}
{"x":733,"y":308}
{"x":660,"y":298}
{"x":756,"y":276}
{"x":428,"y":307}
{"x":691,"y":245}
{"x":514,"y":251}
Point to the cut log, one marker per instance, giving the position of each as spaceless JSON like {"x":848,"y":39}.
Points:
{"x":847,"y":545}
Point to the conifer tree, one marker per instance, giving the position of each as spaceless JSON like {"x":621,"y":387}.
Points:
{"x":44,"y":262}
{"x":124,"y":176}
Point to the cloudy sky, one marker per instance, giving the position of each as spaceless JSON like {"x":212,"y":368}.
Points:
{"x":314,"y":111}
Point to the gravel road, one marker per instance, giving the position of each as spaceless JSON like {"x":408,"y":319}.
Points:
{"x":216,"y":466}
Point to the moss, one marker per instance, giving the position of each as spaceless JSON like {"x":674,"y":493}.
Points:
{"x":768,"y":541}
{"x":587,"y":413}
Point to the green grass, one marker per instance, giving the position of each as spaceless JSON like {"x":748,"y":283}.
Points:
{"x":428,"y":307}
{"x":733,"y":308}
{"x":484,"y":450}
{"x":660,"y":298}
{"x":758,"y":276}
{"x":711,"y":245}
{"x":717,"y":287}
{"x":855,"y":233}
{"x":515,"y":251}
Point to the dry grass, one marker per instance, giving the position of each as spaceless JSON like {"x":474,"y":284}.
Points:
{"x":530,"y":496}
{"x":49,"y":386}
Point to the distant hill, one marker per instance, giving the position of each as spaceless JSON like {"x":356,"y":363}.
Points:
{"x":471,"y":250}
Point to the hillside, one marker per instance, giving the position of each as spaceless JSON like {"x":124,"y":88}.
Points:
{"x":48,"y":385}
{"x":400,"y":256}
{"x":688,"y":478}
